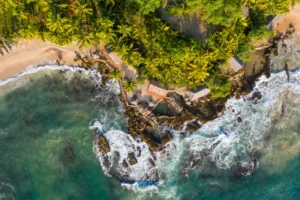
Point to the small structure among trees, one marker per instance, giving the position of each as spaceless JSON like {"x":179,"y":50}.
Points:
{"x":198,"y":93}
{"x":156,"y":90}
{"x":112,"y":57}
{"x":235,"y":63}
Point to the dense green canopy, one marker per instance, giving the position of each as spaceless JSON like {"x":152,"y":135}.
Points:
{"x":134,"y":30}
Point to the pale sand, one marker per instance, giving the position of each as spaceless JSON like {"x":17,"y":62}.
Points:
{"x":34,"y":52}
{"x":257,"y":61}
{"x":31,"y":53}
{"x":292,"y":17}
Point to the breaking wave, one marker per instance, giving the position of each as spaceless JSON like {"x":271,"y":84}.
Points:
{"x":231,"y":142}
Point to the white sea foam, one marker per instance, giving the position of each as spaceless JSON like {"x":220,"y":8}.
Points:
{"x":241,"y":139}
{"x":223,"y":141}
{"x":7,"y":191}
{"x":121,"y":144}
{"x":96,"y":125}
{"x":35,"y":69}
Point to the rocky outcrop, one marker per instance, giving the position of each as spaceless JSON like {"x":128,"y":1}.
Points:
{"x":131,"y":158}
{"x":104,"y":149}
{"x":69,"y":155}
{"x":192,"y":126}
{"x":175,"y":103}
{"x":103,"y":144}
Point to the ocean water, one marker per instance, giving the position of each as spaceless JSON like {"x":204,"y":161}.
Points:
{"x":46,"y":147}
{"x":48,"y":151}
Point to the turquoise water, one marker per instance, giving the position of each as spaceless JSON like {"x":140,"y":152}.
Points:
{"x":46,"y":146}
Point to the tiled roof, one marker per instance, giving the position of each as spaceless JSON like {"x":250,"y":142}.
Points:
{"x":157,"y":92}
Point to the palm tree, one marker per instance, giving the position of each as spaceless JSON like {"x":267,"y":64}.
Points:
{"x":140,"y":80}
{"x":197,"y":73}
{"x":129,"y":85}
{"x":57,"y":23}
{"x":104,"y":23}
{"x":73,"y":27}
{"x":27,"y":33}
{"x":107,"y":2}
{"x":124,"y":30}
{"x":136,"y":59}
{"x":106,"y":36}
{"x":81,"y":10}
{"x":115,"y":74}
{"x":59,"y":38}
{"x":85,"y":40}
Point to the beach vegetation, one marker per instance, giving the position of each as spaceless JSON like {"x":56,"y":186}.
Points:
{"x":134,"y":30}
{"x":115,"y":74}
{"x":219,"y":86}
{"x":129,"y":85}
{"x":140,"y":80}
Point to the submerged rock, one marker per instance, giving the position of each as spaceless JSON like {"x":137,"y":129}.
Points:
{"x":124,"y":164}
{"x":69,"y":155}
{"x":239,"y":119}
{"x":192,"y":126}
{"x":132,"y":159}
{"x":103,"y":144}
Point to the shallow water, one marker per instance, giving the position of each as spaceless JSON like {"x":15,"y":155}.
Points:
{"x":47,"y":152}
{"x":46,"y":146}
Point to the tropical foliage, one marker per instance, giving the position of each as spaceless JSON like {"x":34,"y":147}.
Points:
{"x":140,"y":36}
{"x":129,"y":85}
{"x":219,"y":86}
{"x":115,"y":74}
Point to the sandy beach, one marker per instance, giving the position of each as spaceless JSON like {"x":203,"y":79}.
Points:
{"x":35,"y":52}
{"x":293,"y":17}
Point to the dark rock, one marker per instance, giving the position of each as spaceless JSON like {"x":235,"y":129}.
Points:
{"x":103,"y":144}
{"x":198,"y":160}
{"x":69,"y":154}
{"x":106,"y":163}
{"x":125,"y":164}
{"x":140,"y":151}
{"x":245,"y":169}
{"x":284,"y":45}
{"x":175,"y":103}
{"x":256,"y":95}
{"x":132,"y":159}
{"x":239,"y":119}
{"x":192,"y":126}
{"x":151,"y":162}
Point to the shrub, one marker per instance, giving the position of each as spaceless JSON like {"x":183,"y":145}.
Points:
{"x":219,"y":86}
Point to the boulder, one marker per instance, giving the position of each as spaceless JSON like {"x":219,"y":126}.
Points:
{"x":69,"y":154}
{"x":103,"y":144}
{"x":175,"y":103}
{"x":192,"y":126}
{"x":125,"y":164}
{"x":132,"y":159}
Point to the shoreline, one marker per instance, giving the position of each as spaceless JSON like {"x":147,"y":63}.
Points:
{"x":35,"y":69}
{"x":27,"y":54}
{"x":205,"y":110}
